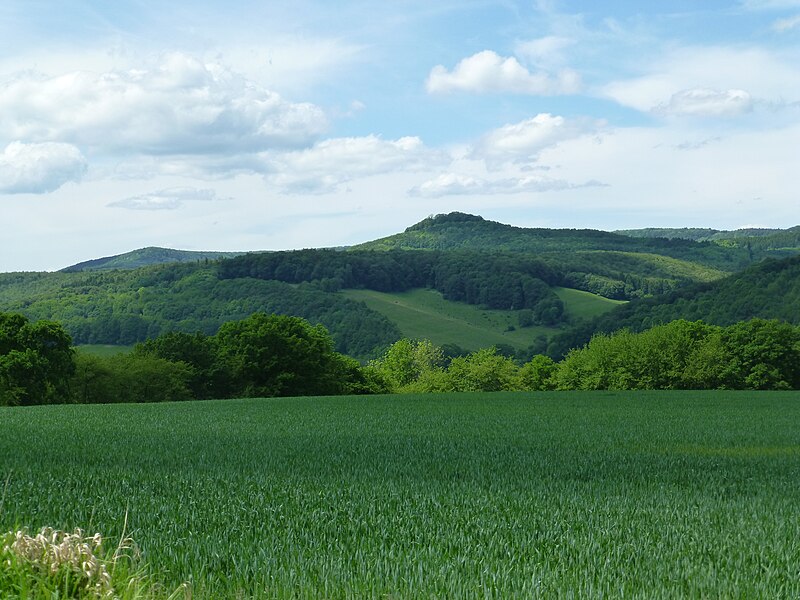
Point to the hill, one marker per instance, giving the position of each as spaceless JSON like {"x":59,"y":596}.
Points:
{"x":535,"y":283}
{"x":464,"y":231}
{"x":759,"y":243}
{"x":123,"y":307}
{"x":146,"y":257}
{"x":770,"y":290}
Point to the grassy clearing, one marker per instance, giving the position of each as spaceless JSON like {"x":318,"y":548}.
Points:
{"x":461,"y":496}
{"x":585,"y":305}
{"x":424,"y":314}
{"x":103,"y":350}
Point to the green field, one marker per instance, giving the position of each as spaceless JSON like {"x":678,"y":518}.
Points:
{"x":641,"y":495}
{"x":424,"y":314}
{"x":584,"y":305}
{"x":103,"y":349}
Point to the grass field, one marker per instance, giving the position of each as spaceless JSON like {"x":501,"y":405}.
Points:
{"x":585,"y":305}
{"x":424,"y":314}
{"x":103,"y":349}
{"x":641,"y":495}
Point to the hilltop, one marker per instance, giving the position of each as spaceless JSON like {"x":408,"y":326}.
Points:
{"x":144,"y":257}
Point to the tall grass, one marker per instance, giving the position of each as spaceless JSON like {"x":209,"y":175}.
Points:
{"x":462,"y":496}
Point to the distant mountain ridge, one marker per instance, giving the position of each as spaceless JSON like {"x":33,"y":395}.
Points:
{"x":145,"y":257}
{"x":699,"y":234}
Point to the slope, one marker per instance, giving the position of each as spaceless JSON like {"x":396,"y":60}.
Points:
{"x":464,"y":231}
{"x":146,"y":257}
{"x":769,"y":290}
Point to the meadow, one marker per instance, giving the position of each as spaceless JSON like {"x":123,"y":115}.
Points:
{"x":597,"y":494}
{"x":425,"y":314}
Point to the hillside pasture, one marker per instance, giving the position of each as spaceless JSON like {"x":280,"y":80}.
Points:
{"x":463,"y":496}
{"x":425,"y":314}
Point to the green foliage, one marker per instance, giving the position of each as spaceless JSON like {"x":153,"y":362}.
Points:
{"x":757,"y":354}
{"x":508,"y":495}
{"x":769,"y":290}
{"x":129,"y":378}
{"x":462,"y":231}
{"x":405,"y":361}
{"x":36,"y":361}
{"x":274,"y":355}
{"x":483,"y":371}
{"x":147,"y":257}
{"x":125,"y":307}
{"x":538,"y":374}
{"x":425,"y":314}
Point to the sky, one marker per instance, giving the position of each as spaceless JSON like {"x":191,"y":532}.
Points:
{"x":268,"y":125}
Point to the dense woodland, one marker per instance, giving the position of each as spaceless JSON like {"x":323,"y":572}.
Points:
{"x":271,"y":355}
{"x":231,"y":327}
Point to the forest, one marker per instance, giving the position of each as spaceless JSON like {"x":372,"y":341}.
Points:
{"x":273,"y":355}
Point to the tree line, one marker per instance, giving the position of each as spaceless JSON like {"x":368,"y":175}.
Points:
{"x":274,"y":355}
{"x":683,"y":355}
{"x":494,"y":280}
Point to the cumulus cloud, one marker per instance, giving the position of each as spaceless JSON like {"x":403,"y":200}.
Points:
{"x":180,"y":106}
{"x":700,"y":102}
{"x":487,"y":72}
{"x":327,"y":165}
{"x":39,"y":168}
{"x":711,"y":79}
{"x":166,"y":199}
{"x":523,"y":141}
{"x":452,"y":184}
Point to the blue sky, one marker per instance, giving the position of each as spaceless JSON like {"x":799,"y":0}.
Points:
{"x":247,"y":125}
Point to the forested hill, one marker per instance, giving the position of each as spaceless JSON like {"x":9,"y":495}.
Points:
{"x":770,"y":290}
{"x":146,"y":257}
{"x":463,"y":231}
{"x":760,"y":242}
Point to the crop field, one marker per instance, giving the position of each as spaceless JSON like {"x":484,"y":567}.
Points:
{"x":648,"y":495}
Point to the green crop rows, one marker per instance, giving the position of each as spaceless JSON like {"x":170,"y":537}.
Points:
{"x":453,"y":496}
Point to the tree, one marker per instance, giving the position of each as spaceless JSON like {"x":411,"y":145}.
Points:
{"x":537,"y":375}
{"x":406,"y":360}
{"x":36,"y":361}
{"x":483,"y":371}
{"x":276,"y":355}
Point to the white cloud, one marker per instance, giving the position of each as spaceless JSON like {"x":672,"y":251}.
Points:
{"x":707,"y":103}
{"x":449,"y":184}
{"x":766,"y":76}
{"x":787,"y":24}
{"x":487,"y":72}
{"x":330,"y":163}
{"x":292,"y":62}
{"x":166,"y":199}
{"x":39,"y":168}
{"x":543,"y":51}
{"x":523,"y":141}
{"x":180,"y":106}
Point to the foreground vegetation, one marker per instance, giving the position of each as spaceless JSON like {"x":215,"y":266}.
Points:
{"x":602,"y":494}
